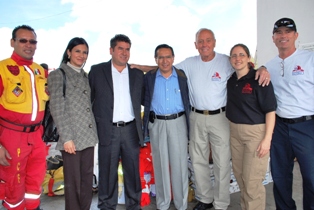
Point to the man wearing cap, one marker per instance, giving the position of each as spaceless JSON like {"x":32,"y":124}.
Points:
{"x":292,"y":73}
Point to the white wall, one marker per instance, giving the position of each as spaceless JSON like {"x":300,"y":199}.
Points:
{"x":269,"y":11}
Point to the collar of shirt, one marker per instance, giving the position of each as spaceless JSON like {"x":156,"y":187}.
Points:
{"x":174,"y":73}
{"x":249,"y":75}
{"x":124,"y":71}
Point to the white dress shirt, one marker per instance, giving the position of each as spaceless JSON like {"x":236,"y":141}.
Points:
{"x":122,"y":105}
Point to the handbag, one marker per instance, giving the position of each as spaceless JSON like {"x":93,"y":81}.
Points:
{"x":50,"y":129}
{"x":53,"y":183}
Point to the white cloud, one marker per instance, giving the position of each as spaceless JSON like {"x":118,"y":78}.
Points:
{"x":205,"y":7}
{"x":147,"y":23}
{"x":6,"y":34}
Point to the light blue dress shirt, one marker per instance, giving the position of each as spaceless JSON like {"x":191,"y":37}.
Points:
{"x":167,"y":95}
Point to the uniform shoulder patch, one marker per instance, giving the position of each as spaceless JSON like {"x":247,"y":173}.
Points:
{"x":13,"y":69}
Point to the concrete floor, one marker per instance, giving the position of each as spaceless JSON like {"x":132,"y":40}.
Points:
{"x":57,"y":202}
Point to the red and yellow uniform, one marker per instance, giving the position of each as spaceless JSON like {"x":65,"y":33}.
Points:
{"x":23,"y":97}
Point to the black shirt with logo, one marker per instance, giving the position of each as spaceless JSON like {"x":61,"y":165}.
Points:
{"x":247,"y":101}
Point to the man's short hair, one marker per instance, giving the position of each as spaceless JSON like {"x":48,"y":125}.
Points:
{"x":203,"y":29}
{"x":26,"y":27}
{"x":119,"y":38}
{"x":163,"y":46}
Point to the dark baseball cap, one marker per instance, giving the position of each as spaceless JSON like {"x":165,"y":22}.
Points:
{"x":286,"y":22}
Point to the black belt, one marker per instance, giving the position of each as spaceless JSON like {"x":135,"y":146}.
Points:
{"x":121,"y":123}
{"x":169,"y":117}
{"x":296,"y":120}
{"x":19,"y":127}
{"x":208,"y":112}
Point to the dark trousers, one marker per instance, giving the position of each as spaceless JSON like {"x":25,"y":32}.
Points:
{"x":78,"y":179}
{"x":290,"y":141}
{"x":124,"y":144}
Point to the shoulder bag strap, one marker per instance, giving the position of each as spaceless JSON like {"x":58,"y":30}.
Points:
{"x":64,"y":82}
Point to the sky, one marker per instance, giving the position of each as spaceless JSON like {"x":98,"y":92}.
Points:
{"x":147,"y":23}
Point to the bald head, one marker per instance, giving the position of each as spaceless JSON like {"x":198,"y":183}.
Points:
{"x":204,"y":29}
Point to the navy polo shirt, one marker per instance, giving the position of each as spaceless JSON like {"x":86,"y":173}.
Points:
{"x":247,"y":102}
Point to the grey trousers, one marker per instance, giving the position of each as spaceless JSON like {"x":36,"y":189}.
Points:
{"x":170,"y":160}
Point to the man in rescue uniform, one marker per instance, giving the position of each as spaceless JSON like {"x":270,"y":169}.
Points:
{"x":23,"y":97}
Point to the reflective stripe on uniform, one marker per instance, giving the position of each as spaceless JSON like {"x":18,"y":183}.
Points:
{"x":12,"y":205}
{"x":32,"y":196}
{"x":34,"y":95}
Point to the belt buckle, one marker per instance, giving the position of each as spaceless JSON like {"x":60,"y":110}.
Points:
{"x":32,"y":128}
{"x":28,"y":129}
{"x":291,"y":121}
{"x":120,"y":124}
{"x":167,"y":117}
{"x":206,"y":112}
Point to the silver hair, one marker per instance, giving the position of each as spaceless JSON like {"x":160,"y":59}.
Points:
{"x":204,"y":29}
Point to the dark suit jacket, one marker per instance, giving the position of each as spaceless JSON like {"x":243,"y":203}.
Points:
{"x":100,"y":80}
{"x":149,"y":84}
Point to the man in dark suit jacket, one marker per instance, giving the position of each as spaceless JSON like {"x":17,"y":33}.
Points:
{"x":116,"y":94}
{"x":166,"y":114}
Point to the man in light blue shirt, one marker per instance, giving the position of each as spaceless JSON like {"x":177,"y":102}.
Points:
{"x":166,"y":122}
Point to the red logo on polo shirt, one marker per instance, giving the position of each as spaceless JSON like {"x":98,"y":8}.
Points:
{"x":247,"y":89}
{"x":216,"y":77}
{"x":297,"y":70}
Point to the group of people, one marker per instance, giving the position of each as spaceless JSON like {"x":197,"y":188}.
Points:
{"x":209,"y":99}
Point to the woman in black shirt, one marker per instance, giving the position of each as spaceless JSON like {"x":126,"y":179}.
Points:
{"x":251,"y":112}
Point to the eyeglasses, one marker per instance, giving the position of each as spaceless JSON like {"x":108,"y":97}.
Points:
{"x":234,"y":56}
{"x":165,"y":57}
{"x":24,"y":41}
{"x":282,"y":71}
{"x":286,"y":23}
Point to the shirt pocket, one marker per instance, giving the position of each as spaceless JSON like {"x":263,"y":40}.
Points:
{"x":42,"y":88}
{"x":15,"y":91}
